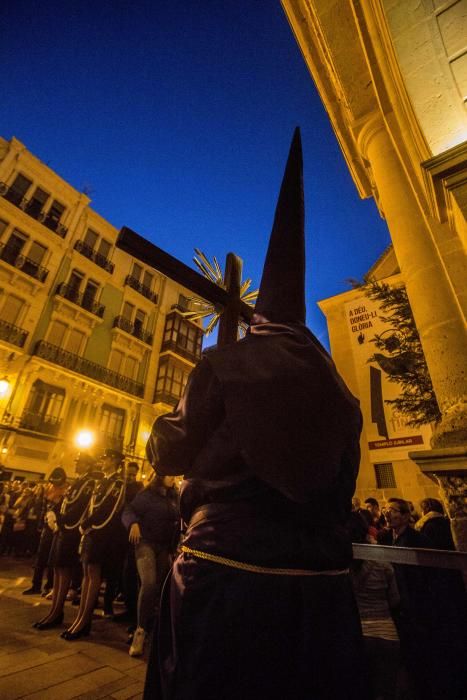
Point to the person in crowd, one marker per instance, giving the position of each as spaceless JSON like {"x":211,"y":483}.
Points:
{"x":20,"y":515}
{"x":33,"y":524}
{"x":54,"y":493}
{"x":434,"y":524}
{"x":101,"y":541}
{"x":7,"y":535}
{"x":64,"y":556}
{"x":372,"y":506}
{"x":378,"y":599}
{"x":152,"y":520}
{"x":259,"y":603}
{"x":129,"y":577}
{"x":431,"y":623}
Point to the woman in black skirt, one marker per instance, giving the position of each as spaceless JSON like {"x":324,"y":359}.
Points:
{"x":64,"y":556}
{"x":101,"y":528}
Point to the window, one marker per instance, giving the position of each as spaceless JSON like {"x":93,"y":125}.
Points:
{"x":104,"y":248}
{"x":74,"y":283}
{"x":37,"y":252}
{"x":14,"y":247}
{"x":90,"y":238}
{"x":11,"y":310}
{"x":148,"y":279}
{"x":127,"y":311}
{"x":57,"y":333}
{"x":43,"y":408}
{"x":90,"y":293}
{"x":182,"y":336}
{"x":171,"y":379}
{"x":385,"y":478}
{"x":131,"y":367}
{"x":75,"y":341}
{"x":116,"y":361}
{"x":140,"y":321}
{"x":18,"y":189}
{"x":137,"y":270}
{"x":36,"y":203}
{"x":34,"y":259}
{"x":112,"y":423}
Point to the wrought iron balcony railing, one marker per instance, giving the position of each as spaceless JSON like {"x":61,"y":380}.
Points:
{"x":11,"y":256}
{"x":85,"y":301}
{"x":133,"y":329}
{"x":141,"y":288}
{"x":75,"y":363}
{"x":49,"y":425}
{"x":33,"y":208}
{"x":93,"y":255}
{"x":113,"y":442}
{"x":192,"y":355}
{"x":12,"y":334}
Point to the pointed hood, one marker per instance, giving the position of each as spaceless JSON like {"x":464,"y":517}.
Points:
{"x":281,"y":297}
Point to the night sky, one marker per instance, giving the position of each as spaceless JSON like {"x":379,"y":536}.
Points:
{"x":176,"y":117}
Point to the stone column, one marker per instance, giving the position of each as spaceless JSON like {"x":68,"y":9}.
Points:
{"x":448,"y":468}
{"x":434,"y":304}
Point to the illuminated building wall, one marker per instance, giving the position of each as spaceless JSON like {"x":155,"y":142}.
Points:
{"x":392,"y":75}
{"x":385,"y":469}
{"x":90,"y":338}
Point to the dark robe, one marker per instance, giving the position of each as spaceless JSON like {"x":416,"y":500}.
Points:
{"x":267,"y":436}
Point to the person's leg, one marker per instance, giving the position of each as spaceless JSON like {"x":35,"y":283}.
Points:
{"x":89,"y":592}
{"x":62,"y":577}
{"x":146,"y":566}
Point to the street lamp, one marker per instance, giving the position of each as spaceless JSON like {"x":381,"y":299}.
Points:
{"x":84,"y":439}
{"x":4,"y":386}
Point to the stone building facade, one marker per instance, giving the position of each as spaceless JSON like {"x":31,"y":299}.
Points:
{"x":90,"y":338}
{"x":392,"y":75}
{"x":353,"y":320}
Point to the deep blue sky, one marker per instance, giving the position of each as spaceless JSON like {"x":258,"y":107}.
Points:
{"x":178,"y":116}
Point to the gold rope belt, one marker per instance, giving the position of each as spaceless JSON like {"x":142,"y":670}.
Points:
{"x":260,"y":569}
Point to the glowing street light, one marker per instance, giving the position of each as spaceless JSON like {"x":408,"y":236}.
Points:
{"x":4,"y":386}
{"x":84,"y":439}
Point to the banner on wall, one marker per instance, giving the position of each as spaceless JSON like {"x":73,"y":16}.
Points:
{"x":388,"y":435}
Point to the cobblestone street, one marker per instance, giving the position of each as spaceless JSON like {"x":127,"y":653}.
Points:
{"x":41,"y":666}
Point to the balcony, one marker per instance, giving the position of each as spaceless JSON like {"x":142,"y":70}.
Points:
{"x":166,"y":397}
{"x":173,"y":346}
{"x":48,"y":425}
{"x":133,"y":329}
{"x":75,"y":363}
{"x":12,"y":334}
{"x":91,"y":254}
{"x":85,"y":301}
{"x":13,"y":257}
{"x":33,"y":208}
{"x":141,"y":288}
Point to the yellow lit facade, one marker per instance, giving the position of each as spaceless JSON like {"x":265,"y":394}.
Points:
{"x":392,"y":75}
{"x":386,"y":470}
{"x":91,"y":340}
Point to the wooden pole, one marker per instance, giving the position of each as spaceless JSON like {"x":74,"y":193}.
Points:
{"x":228,"y":322}
{"x":234,"y":308}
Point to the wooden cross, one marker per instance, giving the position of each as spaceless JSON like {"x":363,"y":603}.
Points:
{"x":227,"y":297}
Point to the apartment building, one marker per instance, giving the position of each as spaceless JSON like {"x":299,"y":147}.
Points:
{"x":91,"y":339}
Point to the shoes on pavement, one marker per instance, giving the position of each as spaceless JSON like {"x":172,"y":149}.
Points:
{"x":137,"y":645}
{"x":32,"y":591}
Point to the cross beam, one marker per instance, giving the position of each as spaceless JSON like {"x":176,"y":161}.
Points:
{"x":228,"y":298}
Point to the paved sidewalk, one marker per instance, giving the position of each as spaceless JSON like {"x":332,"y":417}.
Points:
{"x":42,"y":666}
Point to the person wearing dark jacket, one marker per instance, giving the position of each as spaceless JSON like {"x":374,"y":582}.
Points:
{"x":431,"y":622}
{"x":435,"y":525}
{"x":259,"y":603}
{"x":53,"y":497}
{"x":152,"y":521}
{"x":100,"y":528}
{"x":64,"y":555}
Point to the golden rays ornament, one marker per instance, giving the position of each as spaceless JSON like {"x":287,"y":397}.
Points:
{"x":202,"y":309}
